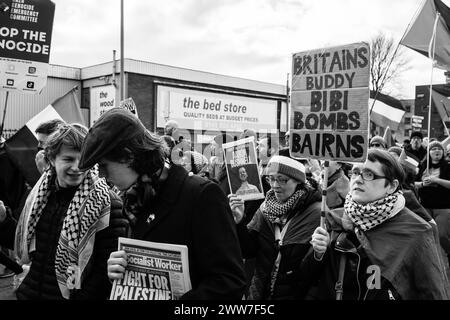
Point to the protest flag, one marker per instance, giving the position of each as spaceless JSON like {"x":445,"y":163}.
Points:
{"x":445,"y":143}
{"x":442,"y":104}
{"x":387,"y":136}
{"x":384,"y":115}
{"x":22,"y":146}
{"x":408,"y":161}
{"x":431,"y":29}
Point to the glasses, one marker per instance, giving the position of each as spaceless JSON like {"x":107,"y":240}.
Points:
{"x":280,"y":181}
{"x":375,"y":145}
{"x":366,"y":174}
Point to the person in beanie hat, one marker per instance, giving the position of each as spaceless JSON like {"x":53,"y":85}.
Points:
{"x":415,"y":148}
{"x":377,"y":142}
{"x":194,"y":162}
{"x":163,"y":203}
{"x":278,"y":235}
{"x":433,"y":188}
{"x":375,"y":230}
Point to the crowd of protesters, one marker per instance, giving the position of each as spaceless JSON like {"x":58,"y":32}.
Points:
{"x":384,"y":233}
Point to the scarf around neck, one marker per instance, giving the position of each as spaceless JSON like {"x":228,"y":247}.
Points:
{"x":368,"y":216}
{"x":88,"y":213}
{"x":273,"y":209}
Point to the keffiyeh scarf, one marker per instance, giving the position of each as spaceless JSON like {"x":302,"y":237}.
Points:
{"x":274,"y":209}
{"x":368,"y":216}
{"x":87,"y":214}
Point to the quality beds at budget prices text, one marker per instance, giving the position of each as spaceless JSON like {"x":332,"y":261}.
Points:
{"x":226,"y":309}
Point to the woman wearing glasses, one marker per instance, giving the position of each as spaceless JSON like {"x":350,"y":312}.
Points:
{"x":279,"y":234}
{"x":377,"y":248}
{"x":68,"y":227}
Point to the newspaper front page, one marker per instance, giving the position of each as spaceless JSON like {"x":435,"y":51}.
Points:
{"x":242,"y":169}
{"x":155,"y":271}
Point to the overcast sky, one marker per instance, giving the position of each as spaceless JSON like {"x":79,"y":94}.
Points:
{"x":252,"y":39}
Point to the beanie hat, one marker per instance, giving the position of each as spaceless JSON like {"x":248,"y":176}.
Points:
{"x":416,"y":134}
{"x":111,"y":129}
{"x":286,"y":166}
{"x":198,"y":161}
{"x":434,"y":144}
{"x":378,"y":139}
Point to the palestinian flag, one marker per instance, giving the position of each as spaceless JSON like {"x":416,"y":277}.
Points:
{"x":22,"y":147}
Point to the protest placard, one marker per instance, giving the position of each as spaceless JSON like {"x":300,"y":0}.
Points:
{"x":25,"y":38}
{"x":155,"y":271}
{"x":129,"y":105}
{"x":242,"y":169}
{"x":329,"y":103}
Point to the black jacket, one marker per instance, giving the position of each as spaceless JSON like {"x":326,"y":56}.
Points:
{"x":258,"y":240}
{"x":396,"y":260}
{"x":193,"y":211}
{"x":40,"y":283}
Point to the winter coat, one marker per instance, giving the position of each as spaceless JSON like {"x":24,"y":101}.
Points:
{"x":258,"y":240}
{"x":193,"y":211}
{"x":40,"y":282}
{"x":435,"y":196}
{"x":396,"y":260}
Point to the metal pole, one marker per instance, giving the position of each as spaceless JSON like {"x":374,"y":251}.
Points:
{"x":431,"y":52}
{"x":324,"y":194}
{"x":122,"y":73}
{"x":114,"y":70}
{"x":4,"y":113}
{"x":287,"y":101}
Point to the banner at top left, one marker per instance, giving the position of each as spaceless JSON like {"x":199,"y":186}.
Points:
{"x":25,"y":38}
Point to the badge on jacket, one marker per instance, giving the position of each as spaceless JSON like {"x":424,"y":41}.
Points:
{"x":150,"y":218}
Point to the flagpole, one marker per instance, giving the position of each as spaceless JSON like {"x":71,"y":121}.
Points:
{"x":287,"y":102}
{"x":392,"y":59}
{"x":122,"y":73}
{"x":431,"y":51}
{"x":4,"y":113}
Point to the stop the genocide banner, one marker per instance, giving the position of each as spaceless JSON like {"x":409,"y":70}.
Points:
{"x":25,"y":38}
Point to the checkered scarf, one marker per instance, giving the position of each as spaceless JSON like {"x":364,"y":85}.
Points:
{"x":274,"y":209}
{"x":87,"y":214}
{"x":368,"y":216}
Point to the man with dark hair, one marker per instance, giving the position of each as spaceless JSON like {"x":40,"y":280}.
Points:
{"x":267,"y":148}
{"x":163,"y":203}
{"x":43,"y":131}
{"x":415,"y":149}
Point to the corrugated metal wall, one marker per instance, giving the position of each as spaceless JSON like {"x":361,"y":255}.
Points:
{"x":22,"y":107}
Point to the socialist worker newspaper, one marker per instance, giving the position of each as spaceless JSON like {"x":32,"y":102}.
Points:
{"x":155,"y":271}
